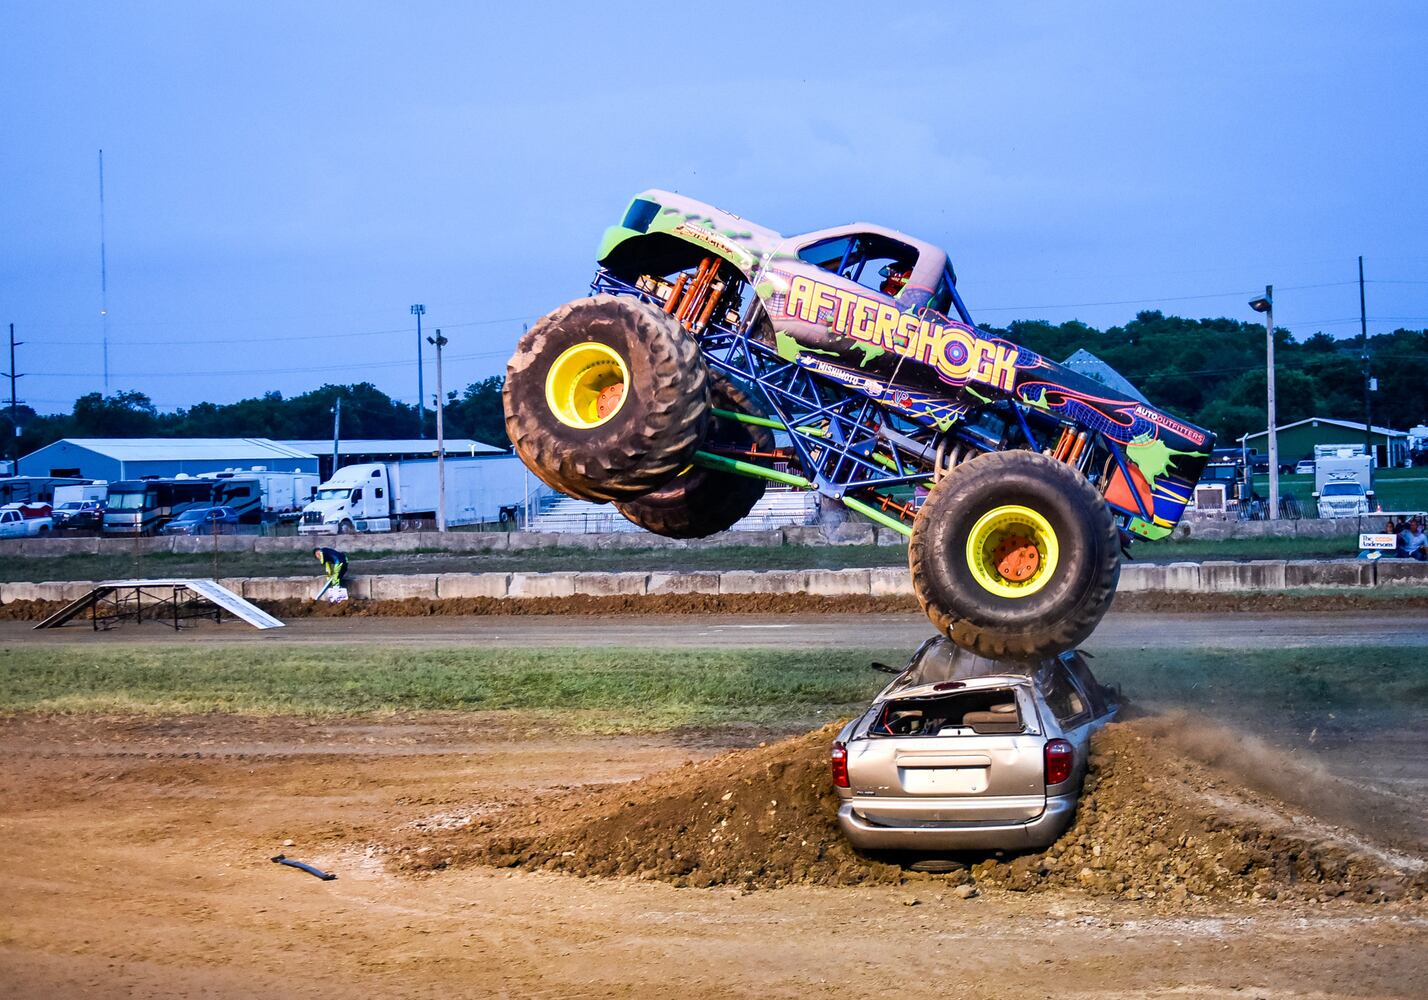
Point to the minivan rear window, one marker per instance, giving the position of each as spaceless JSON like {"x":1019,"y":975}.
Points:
{"x":984,"y":712}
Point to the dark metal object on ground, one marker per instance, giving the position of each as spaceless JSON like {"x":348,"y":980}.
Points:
{"x":283,"y":860}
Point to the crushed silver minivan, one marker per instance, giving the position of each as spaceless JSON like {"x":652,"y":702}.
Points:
{"x":961,"y":752}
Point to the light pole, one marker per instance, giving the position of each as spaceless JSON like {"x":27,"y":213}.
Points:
{"x":418,"y":311}
{"x":439,"y":342}
{"x":1265,"y":304}
{"x":1368,"y":380}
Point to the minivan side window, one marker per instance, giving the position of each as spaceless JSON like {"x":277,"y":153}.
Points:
{"x":1062,"y":696}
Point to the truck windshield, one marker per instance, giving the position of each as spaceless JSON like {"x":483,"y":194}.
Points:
{"x":334,"y":494}
{"x":127,"y":501}
{"x":1343,"y":490}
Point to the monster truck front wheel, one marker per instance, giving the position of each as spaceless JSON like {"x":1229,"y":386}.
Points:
{"x":699,"y":501}
{"x":606,"y":398}
{"x":1014,"y":554}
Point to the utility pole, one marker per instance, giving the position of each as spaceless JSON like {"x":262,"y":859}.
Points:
{"x":103,"y":277}
{"x":1265,"y":304}
{"x":336,"y":434}
{"x":12,"y":375}
{"x":418,"y":311}
{"x":1368,"y":381}
{"x":439,"y":343}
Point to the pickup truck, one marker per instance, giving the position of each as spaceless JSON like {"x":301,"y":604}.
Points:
{"x":25,"y":520}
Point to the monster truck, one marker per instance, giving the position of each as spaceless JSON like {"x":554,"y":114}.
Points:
{"x":715,"y":356}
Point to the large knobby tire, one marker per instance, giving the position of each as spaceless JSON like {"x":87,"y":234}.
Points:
{"x":606,"y":398}
{"x":1014,"y":554}
{"x":699,"y":502}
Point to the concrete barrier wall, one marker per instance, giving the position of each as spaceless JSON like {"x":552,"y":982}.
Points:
{"x":1268,"y":575}
{"x":851,"y":532}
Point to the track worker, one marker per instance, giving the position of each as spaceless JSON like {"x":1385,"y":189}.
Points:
{"x":334,"y":564}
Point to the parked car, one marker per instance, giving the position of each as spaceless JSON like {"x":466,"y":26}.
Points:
{"x":73,"y":515}
{"x":1305,"y":467}
{"x":961,"y":752}
{"x":25,"y":520}
{"x":202,"y":521}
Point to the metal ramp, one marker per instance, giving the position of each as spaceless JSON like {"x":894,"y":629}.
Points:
{"x":171,"y":602}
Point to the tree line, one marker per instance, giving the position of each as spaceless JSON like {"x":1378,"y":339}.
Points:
{"x":1209,"y":371}
{"x":1212,"y":371}
{"x":367,"y":412}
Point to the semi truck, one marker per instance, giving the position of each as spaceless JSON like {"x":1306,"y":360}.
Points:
{"x":379,"y":496}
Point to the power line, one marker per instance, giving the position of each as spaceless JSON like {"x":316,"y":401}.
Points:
{"x":283,"y":338}
{"x":275,"y":371}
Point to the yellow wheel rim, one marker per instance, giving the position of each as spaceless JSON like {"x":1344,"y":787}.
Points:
{"x":586,"y":385}
{"x":1012,"y":551}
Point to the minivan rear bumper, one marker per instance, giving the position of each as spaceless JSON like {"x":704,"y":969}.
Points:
{"x":1039,"y":831}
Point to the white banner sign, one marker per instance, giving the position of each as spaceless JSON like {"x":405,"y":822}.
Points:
{"x":1378,"y":542}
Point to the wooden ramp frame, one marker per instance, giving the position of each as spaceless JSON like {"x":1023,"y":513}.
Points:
{"x":169,"y":601}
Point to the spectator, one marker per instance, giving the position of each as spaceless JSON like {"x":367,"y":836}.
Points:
{"x":1412,"y":542}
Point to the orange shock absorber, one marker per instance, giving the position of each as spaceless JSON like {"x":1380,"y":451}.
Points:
{"x":697,"y":289}
{"x":673,"y":301}
{"x":1077,"y":448}
{"x":1063,"y":444}
{"x":715,"y":290}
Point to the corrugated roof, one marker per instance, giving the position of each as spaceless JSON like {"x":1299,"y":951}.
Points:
{"x":396,"y":446}
{"x":189,"y":449}
{"x":1346,"y":424}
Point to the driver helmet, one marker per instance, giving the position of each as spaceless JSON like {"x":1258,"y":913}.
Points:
{"x":894,"y":277}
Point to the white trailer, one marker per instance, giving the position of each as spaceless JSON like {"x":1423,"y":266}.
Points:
{"x":282,"y":492}
{"x":378,"y":496}
{"x":1342,"y":480}
{"x":95,"y":491}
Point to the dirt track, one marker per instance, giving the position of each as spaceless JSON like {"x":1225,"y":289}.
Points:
{"x":137,"y":865}
{"x":759,"y":630}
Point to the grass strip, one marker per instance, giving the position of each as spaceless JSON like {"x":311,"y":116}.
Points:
{"x":610,"y":689}
{"x":644,"y":690}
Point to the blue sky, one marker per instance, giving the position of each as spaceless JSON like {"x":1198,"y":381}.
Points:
{"x":284,"y":180}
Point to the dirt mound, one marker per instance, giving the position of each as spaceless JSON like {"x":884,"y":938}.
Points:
{"x":760,"y":818}
{"x":1152,"y":825}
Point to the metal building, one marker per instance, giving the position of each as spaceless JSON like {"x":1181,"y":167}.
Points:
{"x":360,"y":451}
{"x":1297,"y":440}
{"x":113,"y":459}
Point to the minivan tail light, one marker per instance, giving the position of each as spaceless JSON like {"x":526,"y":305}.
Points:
{"x":838,"y":760}
{"x":1059,"y":757}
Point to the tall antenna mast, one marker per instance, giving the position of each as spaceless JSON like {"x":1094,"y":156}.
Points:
{"x":103,"y":277}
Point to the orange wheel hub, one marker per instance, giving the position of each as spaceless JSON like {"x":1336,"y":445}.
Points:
{"x":609,"y":400}
{"x":1016,"y":558}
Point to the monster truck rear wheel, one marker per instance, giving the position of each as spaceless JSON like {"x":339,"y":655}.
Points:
{"x":1014,"y":554}
{"x":606,"y":398}
{"x":699,"y":501}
